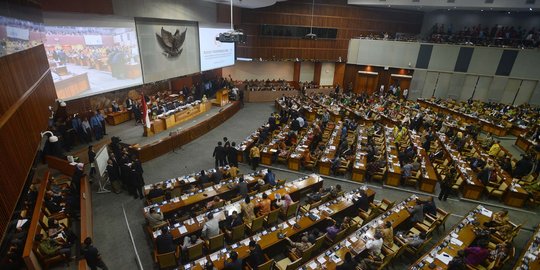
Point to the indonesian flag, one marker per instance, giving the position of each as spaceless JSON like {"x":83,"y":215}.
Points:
{"x":146,"y":119}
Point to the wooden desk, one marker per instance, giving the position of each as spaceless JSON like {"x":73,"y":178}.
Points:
{"x":300,"y":151}
{"x":116,"y":118}
{"x":87,"y":216}
{"x":428,"y":181}
{"x":167,"y":122}
{"x":355,"y":244}
{"x":270,"y":238}
{"x":194,"y":225}
{"x":267,"y":95}
{"x":29,"y":254}
{"x":175,"y":204}
{"x":528,"y":257}
{"x":524,"y":143}
{"x":222,"y":98}
{"x":465,"y":235}
{"x":393,"y":176}
{"x":325,"y":162}
{"x":472,"y":188}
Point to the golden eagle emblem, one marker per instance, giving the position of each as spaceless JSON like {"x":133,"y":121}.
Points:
{"x":171,"y":44}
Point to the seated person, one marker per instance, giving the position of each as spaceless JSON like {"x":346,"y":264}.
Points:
{"x":155,"y":192}
{"x":234,"y":263}
{"x":374,"y":245}
{"x":214,"y":203}
{"x":415,"y":240}
{"x":283,"y":203}
{"x":298,"y":247}
{"x":270,"y":178}
{"x":429,"y":206}
{"x":155,"y":218}
{"x":248,"y":210}
{"x":242,"y":187}
{"x":348,"y":263}
{"x":458,"y":262}
{"x":498,"y":218}
{"x":190,"y":241}
{"x":388,"y":234}
{"x":256,"y":255}
{"x":313,"y":235}
{"x":217,"y":176}
{"x":334,"y":229}
{"x":370,"y":263}
{"x":164,"y":241}
{"x":264,"y":205}
{"x":232,"y":221}
{"x":362,"y":202}
{"x":52,"y":247}
{"x":504,"y":231}
{"x":203,"y":179}
{"x":211,"y":227}
{"x":477,"y":255}
{"x":335,"y":192}
{"x":500,"y":252}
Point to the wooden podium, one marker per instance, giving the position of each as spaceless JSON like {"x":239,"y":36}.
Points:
{"x":222,"y":98}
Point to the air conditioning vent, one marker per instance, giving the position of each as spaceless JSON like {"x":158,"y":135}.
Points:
{"x":489,"y":1}
{"x":450,"y":1}
{"x":382,"y":0}
{"x":530,"y":2}
{"x":416,"y":1}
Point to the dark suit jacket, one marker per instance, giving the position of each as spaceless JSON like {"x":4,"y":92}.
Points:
{"x":165,"y":243}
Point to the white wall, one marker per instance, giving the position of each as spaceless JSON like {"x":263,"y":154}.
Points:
{"x":327,"y":73}
{"x":261,"y":71}
{"x":307,"y":70}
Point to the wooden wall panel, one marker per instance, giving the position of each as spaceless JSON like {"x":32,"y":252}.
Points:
{"x":79,"y":6}
{"x":350,"y":20}
{"x":22,"y":121}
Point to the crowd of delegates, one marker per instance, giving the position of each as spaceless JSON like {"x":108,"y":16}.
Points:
{"x":61,"y":207}
{"x":267,"y":85}
{"x":497,"y":35}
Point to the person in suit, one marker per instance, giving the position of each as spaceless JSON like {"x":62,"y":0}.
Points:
{"x":76,"y":179}
{"x":91,"y":159}
{"x":234,"y":262}
{"x":155,"y":192}
{"x":348,"y":263}
{"x":256,"y":255}
{"x":155,"y":218}
{"x":203,"y":178}
{"x":242,"y":187}
{"x":129,"y":104}
{"x":231,"y":155}
{"x":138,"y":180}
{"x":232,"y":221}
{"x":219,"y":155}
{"x":114,"y":176}
{"x":92,"y":256}
{"x":362,"y":202}
{"x":164,"y":241}
{"x":270,"y":178}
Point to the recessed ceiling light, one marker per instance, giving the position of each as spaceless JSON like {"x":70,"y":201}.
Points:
{"x":530,"y":8}
{"x":508,"y":12}
{"x":482,"y":10}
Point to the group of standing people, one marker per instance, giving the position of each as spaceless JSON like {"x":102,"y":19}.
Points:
{"x":125,"y":172}
{"x":225,"y":153}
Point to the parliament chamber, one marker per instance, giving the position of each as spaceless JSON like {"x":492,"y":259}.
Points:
{"x":291,"y":134}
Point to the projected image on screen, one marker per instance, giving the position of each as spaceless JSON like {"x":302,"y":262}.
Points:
{"x":17,"y":35}
{"x":90,"y":60}
{"x":214,"y":54}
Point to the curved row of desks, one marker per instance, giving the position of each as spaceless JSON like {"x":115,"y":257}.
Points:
{"x":177,"y":139}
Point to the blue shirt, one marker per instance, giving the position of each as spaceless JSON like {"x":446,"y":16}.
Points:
{"x":94,"y":121}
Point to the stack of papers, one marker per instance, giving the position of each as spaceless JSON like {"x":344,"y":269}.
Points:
{"x":444,"y":258}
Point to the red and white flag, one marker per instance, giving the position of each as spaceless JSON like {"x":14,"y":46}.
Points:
{"x":146,"y":119}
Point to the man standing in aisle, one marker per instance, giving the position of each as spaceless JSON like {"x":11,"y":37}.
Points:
{"x":95,"y":123}
{"x":255,"y":156}
{"x":219,"y":155}
{"x":92,"y":256}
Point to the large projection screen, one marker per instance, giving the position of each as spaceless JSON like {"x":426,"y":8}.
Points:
{"x":214,"y":54}
{"x":92,"y":55}
{"x":165,"y":53}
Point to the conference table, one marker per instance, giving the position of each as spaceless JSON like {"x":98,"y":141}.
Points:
{"x":393,"y":176}
{"x":167,"y":121}
{"x":355,"y":242}
{"x":460,"y":237}
{"x":203,"y":195}
{"x":268,"y":151}
{"x":301,"y":149}
{"x":360,"y":158}
{"x":293,"y":188}
{"x":116,"y":118}
{"x":529,"y":258}
{"x":242,"y":150}
{"x":525,"y":143}
{"x":428,"y":181}
{"x":472,"y":188}
{"x":269,"y":237}
{"x":325,"y":162}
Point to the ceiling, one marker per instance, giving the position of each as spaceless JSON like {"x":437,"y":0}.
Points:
{"x":248,"y":3}
{"x":429,"y":5}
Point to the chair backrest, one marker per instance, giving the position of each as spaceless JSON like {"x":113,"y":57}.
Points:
{"x":167,"y":260}
{"x":325,"y":197}
{"x":216,"y":242}
{"x":281,"y":182}
{"x":294,"y":265}
{"x":264,"y":187}
{"x":268,"y":265}
{"x":291,"y":210}
{"x":238,"y":232}
{"x":319,"y":242}
{"x":195,"y":251}
{"x":257,"y":224}
{"x":503,"y":186}
{"x":272,"y":217}
{"x":236,"y":199}
{"x":306,"y":254}
{"x":176,"y":192}
{"x":218,"y":204}
{"x":340,"y":235}
{"x":157,"y":199}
